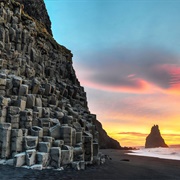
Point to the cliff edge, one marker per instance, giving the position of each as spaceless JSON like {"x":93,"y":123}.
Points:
{"x":105,"y":142}
{"x":44,"y":116}
{"x":37,"y":10}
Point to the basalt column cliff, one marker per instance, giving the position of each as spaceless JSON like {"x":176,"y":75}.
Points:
{"x":44,"y":118}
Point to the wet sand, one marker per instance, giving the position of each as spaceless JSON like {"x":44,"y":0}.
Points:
{"x":120,"y":167}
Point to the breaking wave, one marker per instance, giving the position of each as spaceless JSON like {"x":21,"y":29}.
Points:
{"x":163,"y":153}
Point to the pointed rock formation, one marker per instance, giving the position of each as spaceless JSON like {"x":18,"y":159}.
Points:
{"x":154,"y":139}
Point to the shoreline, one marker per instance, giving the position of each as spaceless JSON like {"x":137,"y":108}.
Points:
{"x":119,"y":166}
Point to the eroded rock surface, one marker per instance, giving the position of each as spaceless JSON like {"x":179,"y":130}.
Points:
{"x":154,"y":139}
{"x":44,"y":117}
{"x":37,"y":10}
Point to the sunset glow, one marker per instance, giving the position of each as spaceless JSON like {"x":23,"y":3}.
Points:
{"x":127,"y":56}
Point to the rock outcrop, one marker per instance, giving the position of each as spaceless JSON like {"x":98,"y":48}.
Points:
{"x":105,"y":142}
{"x":37,"y":10}
{"x":44,"y":117}
{"x":154,"y":139}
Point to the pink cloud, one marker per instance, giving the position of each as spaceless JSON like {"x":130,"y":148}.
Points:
{"x":136,"y":86}
{"x":174,"y":81}
{"x":136,"y":83}
{"x":131,"y":71}
{"x":131,"y":75}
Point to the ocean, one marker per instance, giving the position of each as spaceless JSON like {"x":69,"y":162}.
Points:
{"x":173,"y":152}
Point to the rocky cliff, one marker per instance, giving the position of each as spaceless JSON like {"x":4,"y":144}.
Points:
{"x":105,"y":142}
{"x":154,"y":139}
{"x":44,"y":117}
{"x":37,"y":10}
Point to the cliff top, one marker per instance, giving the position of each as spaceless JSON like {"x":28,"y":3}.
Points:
{"x":40,"y":17}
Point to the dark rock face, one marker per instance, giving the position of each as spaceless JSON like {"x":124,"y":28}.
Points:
{"x":37,"y":10}
{"x":154,"y":139}
{"x":44,"y":117}
{"x":105,"y":142}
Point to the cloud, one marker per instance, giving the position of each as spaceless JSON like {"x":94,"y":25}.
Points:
{"x":132,"y":133}
{"x":172,"y":135}
{"x":131,"y":70}
{"x":117,"y":84}
{"x":127,"y":108}
{"x":137,"y":138}
{"x":144,"y":134}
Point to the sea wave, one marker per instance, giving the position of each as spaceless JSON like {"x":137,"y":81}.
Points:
{"x":163,"y":153}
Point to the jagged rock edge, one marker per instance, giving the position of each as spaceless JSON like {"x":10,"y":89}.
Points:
{"x":14,"y":104}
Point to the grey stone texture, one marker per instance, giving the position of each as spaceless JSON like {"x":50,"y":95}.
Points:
{"x":44,"y":118}
{"x":55,"y":157}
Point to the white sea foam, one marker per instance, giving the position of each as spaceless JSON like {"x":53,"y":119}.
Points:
{"x":163,"y":153}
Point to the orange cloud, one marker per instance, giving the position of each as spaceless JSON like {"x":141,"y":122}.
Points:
{"x":167,"y":75}
{"x":139,"y":86}
{"x":130,"y":96}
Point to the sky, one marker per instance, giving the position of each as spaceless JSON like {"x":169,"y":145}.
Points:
{"x":126,"y":53}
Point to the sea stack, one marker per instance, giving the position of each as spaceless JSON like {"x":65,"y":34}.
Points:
{"x":154,"y":139}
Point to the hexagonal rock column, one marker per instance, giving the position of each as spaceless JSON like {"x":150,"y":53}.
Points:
{"x":43,"y":158}
{"x":55,"y":157}
{"x":73,"y":137}
{"x":30,"y":157}
{"x":13,"y":116}
{"x":46,"y":125}
{"x":37,"y":131}
{"x":78,"y":165}
{"x":23,"y":90}
{"x":58,"y":143}
{"x":95,"y":148}
{"x":55,"y":131}
{"x":66,"y":134}
{"x":16,"y":140}
{"x":30,"y":142}
{"x":44,"y":147}
{"x":48,"y":139}
{"x":3,"y":108}
{"x":88,"y":147}
{"x":66,"y":155}
{"x":78,"y":137}
{"x":26,"y":117}
{"x":78,"y":154}
{"x":3,"y":113}
{"x":5,"y":135}
{"x":19,"y":159}
{"x":30,"y":101}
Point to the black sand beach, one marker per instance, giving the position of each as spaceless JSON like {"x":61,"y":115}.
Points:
{"x":121,"y":167}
